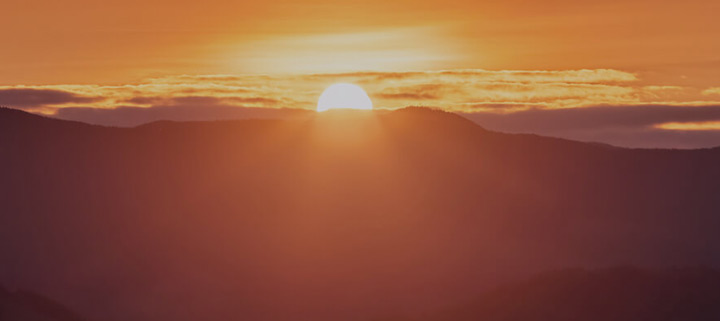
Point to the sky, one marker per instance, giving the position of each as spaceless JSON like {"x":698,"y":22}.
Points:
{"x":634,"y":73}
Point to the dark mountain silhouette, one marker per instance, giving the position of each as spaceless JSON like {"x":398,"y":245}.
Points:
{"x":28,"y":306}
{"x":344,"y":216}
{"x":620,"y":294}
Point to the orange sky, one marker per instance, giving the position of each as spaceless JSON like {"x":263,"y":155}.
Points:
{"x":497,"y":56}
{"x":111,"y":42}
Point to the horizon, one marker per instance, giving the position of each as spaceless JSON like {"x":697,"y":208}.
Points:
{"x":134,"y":117}
{"x":627,"y":73}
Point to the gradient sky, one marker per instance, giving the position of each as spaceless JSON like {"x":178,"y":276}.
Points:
{"x":495,"y":61}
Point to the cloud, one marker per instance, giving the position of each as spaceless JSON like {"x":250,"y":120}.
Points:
{"x":454,"y":90}
{"x":29,"y":98}
{"x":416,"y":92}
{"x":711,"y":91}
{"x":513,"y":76}
{"x":408,"y":96}
{"x":203,"y":100}
{"x":700,"y":125}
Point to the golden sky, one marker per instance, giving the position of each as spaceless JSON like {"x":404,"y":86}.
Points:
{"x":467,"y":56}
{"x":112,"y":42}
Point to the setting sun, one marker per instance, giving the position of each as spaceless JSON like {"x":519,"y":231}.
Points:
{"x":344,"y":96}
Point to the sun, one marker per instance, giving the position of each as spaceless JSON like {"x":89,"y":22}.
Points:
{"x":344,"y":96}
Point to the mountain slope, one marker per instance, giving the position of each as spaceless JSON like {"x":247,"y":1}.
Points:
{"x":608,"y":294}
{"x":27,"y":306}
{"x":344,"y":215}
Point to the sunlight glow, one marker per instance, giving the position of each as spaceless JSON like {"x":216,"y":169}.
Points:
{"x":388,"y":49}
{"x":344,"y":96}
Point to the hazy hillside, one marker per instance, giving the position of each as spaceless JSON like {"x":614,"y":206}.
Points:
{"x":27,"y":306}
{"x":620,"y":294}
{"x":343,"y":216}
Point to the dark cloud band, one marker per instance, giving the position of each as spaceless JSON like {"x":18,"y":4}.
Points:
{"x":627,"y":126}
{"x":33,"y":98}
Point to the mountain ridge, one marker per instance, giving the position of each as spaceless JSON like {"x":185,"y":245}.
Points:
{"x":9,"y":114}
{"x":332,"y":217}
{"x":23,"y":305}
{"x":620,"y":293}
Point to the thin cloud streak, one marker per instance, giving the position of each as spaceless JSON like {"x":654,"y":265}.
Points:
{"x":456,"y":90}
{"x":703,"y":125}
{"x":712,"y":91}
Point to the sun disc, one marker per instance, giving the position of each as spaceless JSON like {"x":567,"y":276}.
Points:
{"x":344,"y":96}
